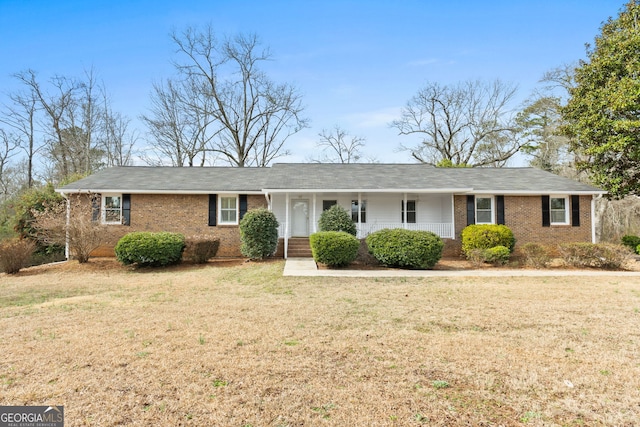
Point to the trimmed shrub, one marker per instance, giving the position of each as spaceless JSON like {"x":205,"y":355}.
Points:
{"x":498,"y":255}
{"x":150,"y":249}
{"x":334,"y":248}
{"x":200,"y":249}
{"x":535,"y":255}
{"x":405,"y":248}
{"x":485,"y":236}
{"x":336,"y":218}
{"x":595,"y":255}
{"x":631,"y":241}
{"x":15,"y":254}
{"x":258,"y":233}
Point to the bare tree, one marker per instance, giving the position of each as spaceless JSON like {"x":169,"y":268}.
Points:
{"x":21,"y":116}
{"x":467,"y":124}
{"x":82,"y":235}
{"x":248,"y":117}
{"x":180,"y":132}
{"x":337,"y":146}
{"x":70,"y":120}
{"x":9,"y":145}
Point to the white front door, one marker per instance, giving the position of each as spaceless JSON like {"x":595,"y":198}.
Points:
{"x":300,"y":218}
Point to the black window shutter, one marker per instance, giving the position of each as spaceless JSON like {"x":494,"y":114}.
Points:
{"x":213,"y":198}
{"x":243,"y":205}
{"x":546,"y":211}
{"x":471,"y":209}
{"x":402,"y":214}
{"x":575,"y":211}
{"x":126,"y":209}
{"x":500,"y":209}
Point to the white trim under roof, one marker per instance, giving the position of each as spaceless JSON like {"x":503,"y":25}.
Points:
{"x":538,"y":192}
{"x":186,"y":192}
{"x":370,"y":190}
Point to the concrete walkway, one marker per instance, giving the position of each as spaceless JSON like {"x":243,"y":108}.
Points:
{"x":307,"y":267}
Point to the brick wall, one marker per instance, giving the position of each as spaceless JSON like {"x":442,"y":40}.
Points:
{"x":179,"y":213}
{"x":523,"y":214}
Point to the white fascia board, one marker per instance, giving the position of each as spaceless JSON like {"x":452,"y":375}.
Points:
{"x":370,"y":190}
{"x":537,"y":192}
{"x":112,"y":191}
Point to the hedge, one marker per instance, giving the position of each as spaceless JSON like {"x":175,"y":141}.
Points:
{"x":486,"y":236}
{"x":405,"y":248}
{"x":334,"y":248}
{"x":150,"y":249}
{"x":336,"y":218}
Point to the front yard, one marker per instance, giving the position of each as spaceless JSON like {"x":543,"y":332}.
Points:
{"x":240,"y":345}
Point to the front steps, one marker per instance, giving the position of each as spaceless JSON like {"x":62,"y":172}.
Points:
{"x":299,"y":248}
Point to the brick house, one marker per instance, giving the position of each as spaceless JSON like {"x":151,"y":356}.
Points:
{"x":538,"y":206}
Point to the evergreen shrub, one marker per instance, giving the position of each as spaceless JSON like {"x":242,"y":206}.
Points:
{"x":334,"y":248}
{"x":258,"y":233}
{"x":150,"y":249}
{"x":405,"y":248}
{"x":485,"y":236}
{"x":336,"y":218}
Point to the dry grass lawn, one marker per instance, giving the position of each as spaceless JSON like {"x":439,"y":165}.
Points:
{"x":243,"y":346}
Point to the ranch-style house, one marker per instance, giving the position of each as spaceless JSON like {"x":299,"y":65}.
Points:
{"x":537,"y":205}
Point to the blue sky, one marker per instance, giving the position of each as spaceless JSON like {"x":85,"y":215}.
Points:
{"x":355,"y":62}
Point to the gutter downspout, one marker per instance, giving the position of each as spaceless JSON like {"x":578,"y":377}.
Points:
{"x":593,"y":218}
{"x":66,"y":228}
{"x":286,"y":226}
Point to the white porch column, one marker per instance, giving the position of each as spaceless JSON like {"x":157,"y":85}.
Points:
{"x":359,"y":213}
{"x":315,"y":225}
{"x":286,"y":225}
{"x":404,"y":211}
{"x":453,"y":216}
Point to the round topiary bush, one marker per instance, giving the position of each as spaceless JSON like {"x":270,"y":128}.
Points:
{"x":150,"y":249}
{"x":336,"y":218}
{"x":334,"y":248}
{"x":498,"y":255}
{"x":485,"y":236}
{"x":258,"y":233}
{"x":406,"y":248}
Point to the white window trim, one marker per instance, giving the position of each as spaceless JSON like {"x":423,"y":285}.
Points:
{"x":405,"y":211}
{"x":228,"y":196}
{"x":566,"y":209}
{"x":493,"y":209}
{"x":103,"y":209}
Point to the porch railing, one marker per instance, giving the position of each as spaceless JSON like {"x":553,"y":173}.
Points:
{"x":444,"y":230}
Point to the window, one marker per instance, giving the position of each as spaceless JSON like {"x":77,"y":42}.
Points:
{"x":410,"y":213}
{"x":558,"y":210}
{"x":228,"y":209}
{"x":363,"y":211}
{"x":112,"y":209}
{"x":484,"y":210}
{"x":326,"y":204}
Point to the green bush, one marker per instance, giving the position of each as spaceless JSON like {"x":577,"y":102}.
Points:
{"x":150,"y":249}
{"x":595,"y":255}
{"x":15,"y":254}
{"x":485,"y":236}
{"x":334,"y":248}
{"x":405,"y":248}
{"x":200,"y":249}
{"x":535,"y":255}
{"x":631,"y":241}
{"x":498,"y":255}
{"x":336,"y":218}
{"x":258,"y":234}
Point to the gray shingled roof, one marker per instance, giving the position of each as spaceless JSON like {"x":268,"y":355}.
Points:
{"x":142,"y":179}
{"x":327,"y":177}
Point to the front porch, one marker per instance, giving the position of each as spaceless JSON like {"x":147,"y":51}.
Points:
{"x":298,"y":213}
